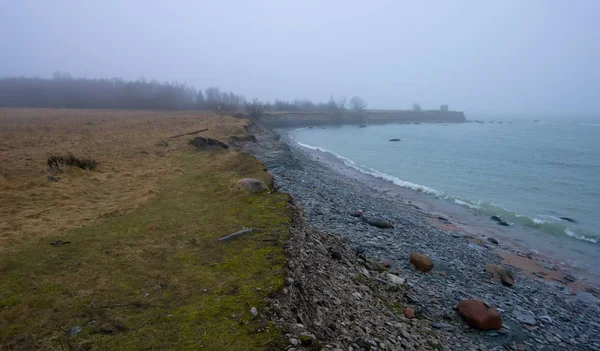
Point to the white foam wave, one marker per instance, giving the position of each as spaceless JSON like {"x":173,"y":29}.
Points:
{"x":538,"y":221}
{"x":314,"y":147}
{"x":552,"y":218}
{"x":464,"y":203}
{"x":572,"y":234}
{"x":375,"y":173}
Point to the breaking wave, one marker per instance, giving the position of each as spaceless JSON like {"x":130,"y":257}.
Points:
{"x":375,"y":173}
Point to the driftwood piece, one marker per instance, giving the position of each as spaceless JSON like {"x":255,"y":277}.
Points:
{"x":190,"y":133}
{"x":236,"y":234}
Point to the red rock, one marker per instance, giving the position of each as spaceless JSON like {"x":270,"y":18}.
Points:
{"x":476,"y":314}
{"x":409,"y":313}
{"x":421,"y":262}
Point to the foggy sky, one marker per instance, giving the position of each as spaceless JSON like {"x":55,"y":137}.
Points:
{"x":511,"y":56}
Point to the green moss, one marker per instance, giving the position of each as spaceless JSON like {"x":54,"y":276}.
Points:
{"x":9,"y":301}
{"x":305,"y":340}
{"x":156,"y":277}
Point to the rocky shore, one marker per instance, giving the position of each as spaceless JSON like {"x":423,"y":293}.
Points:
{"x":350,"y":237}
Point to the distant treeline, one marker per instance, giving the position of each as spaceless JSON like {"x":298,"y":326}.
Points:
{"x":64,"y":91}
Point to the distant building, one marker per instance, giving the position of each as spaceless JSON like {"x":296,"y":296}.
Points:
{"x":444,"y":108}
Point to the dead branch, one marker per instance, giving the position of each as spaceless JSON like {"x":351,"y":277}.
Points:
{"x":143,"y":324}
{"x":196,"y":132}
{"x":236,"y":234}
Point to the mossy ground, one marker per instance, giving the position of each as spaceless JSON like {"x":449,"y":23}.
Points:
{"x":155,"y":278}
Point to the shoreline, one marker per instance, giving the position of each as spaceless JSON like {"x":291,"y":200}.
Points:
{"x":548,"y":262}
{"x":566,"y":316}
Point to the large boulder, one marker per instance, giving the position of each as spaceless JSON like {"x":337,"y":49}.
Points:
{"x":421,"y":262}
{"x":505,"y":276}
{"x":476,"y":314}
{"x":252,"y":185}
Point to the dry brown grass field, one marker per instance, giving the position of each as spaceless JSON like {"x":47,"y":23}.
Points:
{"x":143,"y":269}
{"x":124,"y":143}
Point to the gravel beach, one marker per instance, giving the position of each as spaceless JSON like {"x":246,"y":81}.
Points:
{"x":536,"y":314}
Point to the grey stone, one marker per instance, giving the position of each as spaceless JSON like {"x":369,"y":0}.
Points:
{"x":74,"y":331}
{"x":525,"y":317}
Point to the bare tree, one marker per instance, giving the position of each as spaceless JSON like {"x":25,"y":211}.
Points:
{"x":358,"y":104}
{"x":331,"y":104}
{"x":341,"y":103}
{"x":255,"y":109}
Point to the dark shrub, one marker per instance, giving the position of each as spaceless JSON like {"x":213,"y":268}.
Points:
{"x":56,"y":162}
{"x":206,"y":143}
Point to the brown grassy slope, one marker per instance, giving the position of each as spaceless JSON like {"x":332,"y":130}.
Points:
{"x":131,"y":166}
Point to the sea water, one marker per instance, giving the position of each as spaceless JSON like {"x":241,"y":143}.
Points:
{"x":540,"y":175}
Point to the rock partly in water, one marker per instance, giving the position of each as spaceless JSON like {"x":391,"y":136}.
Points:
{"x":476,"y":314}
{"x":568,"y":219}
{"x":493,"y":241}
{"x":378,"y":222}
{"x":395,"y":139}
{"x":500,"y":221}
{"x":421,"y":262}
{"x":505,"y":276}
{"x":252,"y":185}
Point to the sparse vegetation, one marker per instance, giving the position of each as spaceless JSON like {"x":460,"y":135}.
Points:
{"x":255,"y":109}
